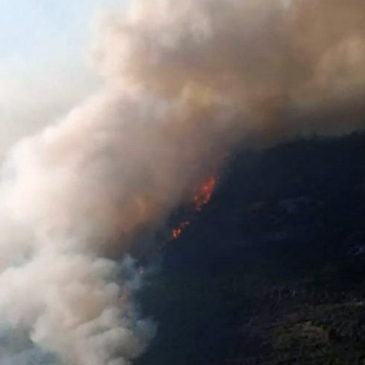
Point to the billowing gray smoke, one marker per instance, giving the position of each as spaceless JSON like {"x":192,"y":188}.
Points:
{"x":184,"y":82}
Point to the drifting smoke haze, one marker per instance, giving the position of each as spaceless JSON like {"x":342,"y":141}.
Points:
{"x":185,"y":81}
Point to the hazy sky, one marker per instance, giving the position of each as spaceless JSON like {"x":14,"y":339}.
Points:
{"x":43,"y":51}
{"x":29,"y":28}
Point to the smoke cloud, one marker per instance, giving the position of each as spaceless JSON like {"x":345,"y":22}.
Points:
{"x":276,"y":60}
{"x":185,"y":81}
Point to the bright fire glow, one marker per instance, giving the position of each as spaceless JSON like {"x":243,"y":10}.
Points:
{"x":201,"y":197}
{"x":176,"y":232}
{"x":204,"y":192}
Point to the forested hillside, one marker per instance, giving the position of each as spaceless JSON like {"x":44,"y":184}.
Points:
{"x":272,"y":271}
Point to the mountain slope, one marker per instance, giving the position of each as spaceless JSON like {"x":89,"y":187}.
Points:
{"x":272,"y":270}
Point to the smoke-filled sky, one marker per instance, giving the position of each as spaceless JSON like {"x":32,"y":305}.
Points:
{"x":43,"y":51}
{"x":177,"y":86}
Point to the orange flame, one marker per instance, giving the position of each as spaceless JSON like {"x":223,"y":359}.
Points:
{"x":176,"y":232}
{"x":201,"y":197}
{"x":204,"y":192}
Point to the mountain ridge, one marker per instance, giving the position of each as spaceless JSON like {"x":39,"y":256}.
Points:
{"x":282,"y":238}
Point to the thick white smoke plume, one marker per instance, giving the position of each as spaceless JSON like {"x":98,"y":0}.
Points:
{"x":185,"y":81}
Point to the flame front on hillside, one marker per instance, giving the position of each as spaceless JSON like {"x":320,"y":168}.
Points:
{"x":177,"y":231}
{"x":203,"y":193}
{"x":201,"y":197}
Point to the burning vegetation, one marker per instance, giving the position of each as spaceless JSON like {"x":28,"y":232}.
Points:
{"x":201,"y":197}
{"x":177,"y":231}
{"x":203,"y":193}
